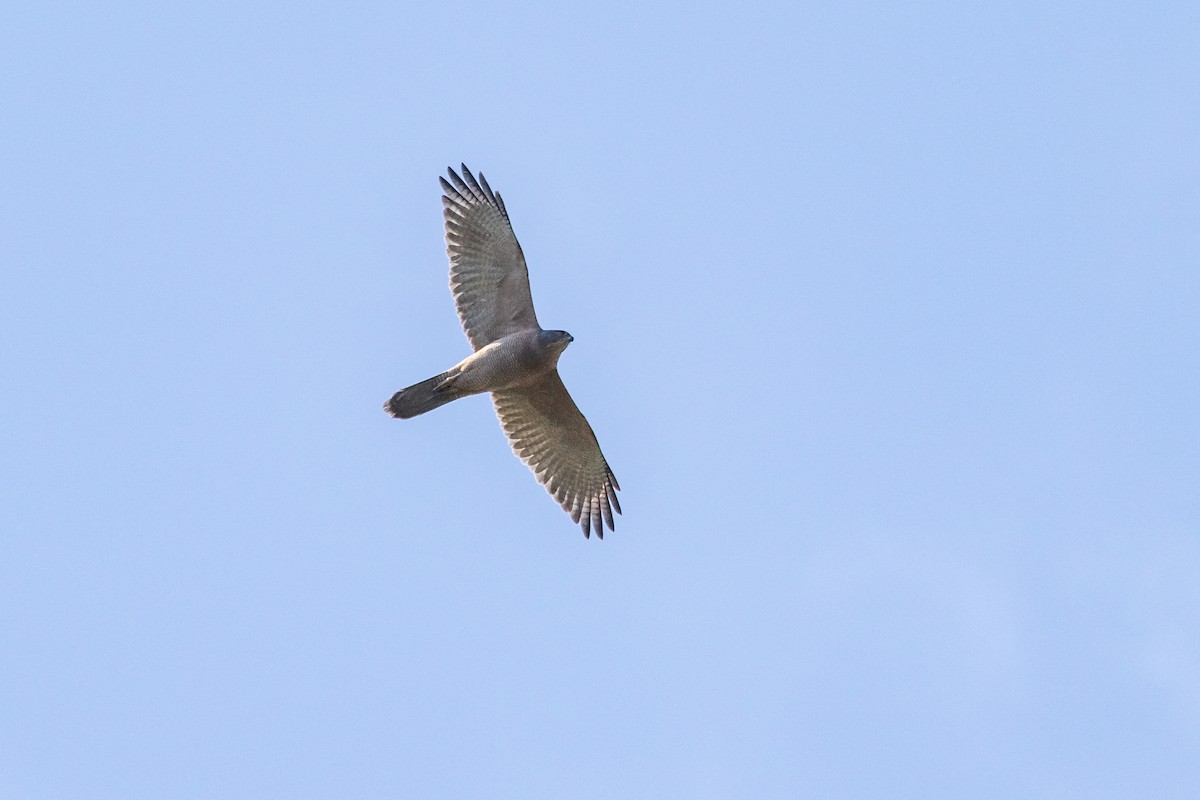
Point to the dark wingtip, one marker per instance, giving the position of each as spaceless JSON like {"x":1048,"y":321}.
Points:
{"x":606,"y":511}
{"x":487,"y":190}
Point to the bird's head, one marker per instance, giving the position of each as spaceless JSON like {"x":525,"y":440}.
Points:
{"x":557,"y":339}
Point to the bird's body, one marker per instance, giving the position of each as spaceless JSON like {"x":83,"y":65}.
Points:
{"x":514,"y":359}
{"x":514,"y":362}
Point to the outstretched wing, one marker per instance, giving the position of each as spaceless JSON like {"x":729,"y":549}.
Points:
{"x":548,"y":432}
{"x":488,"y":276}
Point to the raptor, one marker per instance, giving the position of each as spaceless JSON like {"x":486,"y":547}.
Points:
{"x":514,"y":358}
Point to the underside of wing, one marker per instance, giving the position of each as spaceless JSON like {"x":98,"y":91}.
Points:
{"x":548,"y":432}
{"x":488,"y":276}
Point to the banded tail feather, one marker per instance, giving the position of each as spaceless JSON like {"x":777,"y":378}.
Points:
{"x":422,"y":397}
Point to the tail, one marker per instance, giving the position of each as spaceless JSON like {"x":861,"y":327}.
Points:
{"x":422,"y":397}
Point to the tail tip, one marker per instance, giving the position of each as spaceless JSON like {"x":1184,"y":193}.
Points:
{"x":392,"y":406}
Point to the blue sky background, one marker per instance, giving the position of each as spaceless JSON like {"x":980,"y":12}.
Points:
{"x":886,"y":316}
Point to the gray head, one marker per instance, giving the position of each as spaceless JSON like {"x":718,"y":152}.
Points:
{"x":556,"y":339}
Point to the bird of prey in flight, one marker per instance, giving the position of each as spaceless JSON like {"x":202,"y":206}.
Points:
{"x":514,"y":359}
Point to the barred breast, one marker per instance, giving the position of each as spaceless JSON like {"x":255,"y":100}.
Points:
{"x":515,"y":360}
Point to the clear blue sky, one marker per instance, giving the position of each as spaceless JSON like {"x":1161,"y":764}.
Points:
{"x":887,"y":317}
